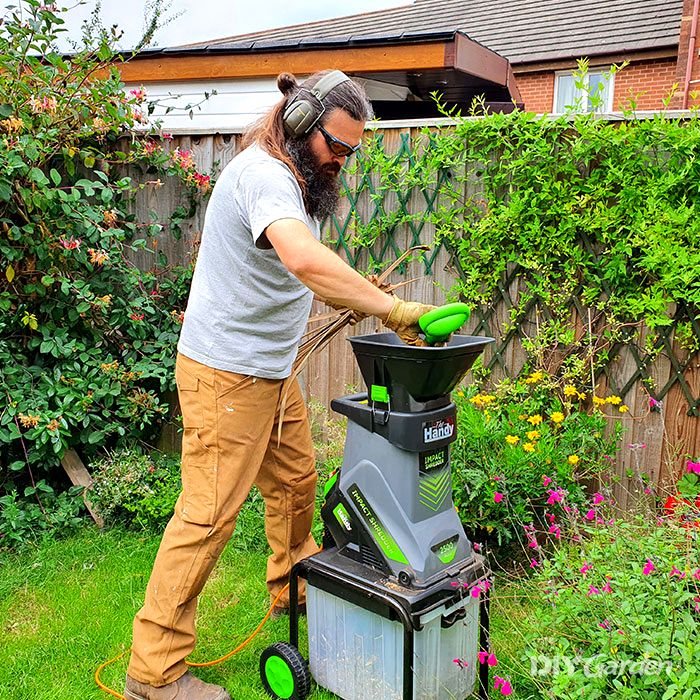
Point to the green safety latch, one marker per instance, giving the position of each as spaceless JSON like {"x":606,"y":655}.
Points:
{"x":438,"y":324}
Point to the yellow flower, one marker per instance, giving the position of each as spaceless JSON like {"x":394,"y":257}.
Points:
{"x":598,"y":401}
{"x":98,"y":257}
{"x":570,"y":390}
{"x":12,"y":124}
{"x":533,"y":435}
{"x":574,"y":459}
{"x":529,"y":447}
{"x":614,"y":400}
{"x":460,"y":392}
{"x":535,"y":420}
{"x":557,"y":417}
{"x":29,"y":420}
{"x":624,"y":408}
{"x":109,"y":216}
{"x":481,"y":400}
{"x":535,"y":377}
{"x":512,"y":439}
{"x":581,"y":395}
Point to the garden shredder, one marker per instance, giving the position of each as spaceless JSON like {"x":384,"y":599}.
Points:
{"x":397,"y":600}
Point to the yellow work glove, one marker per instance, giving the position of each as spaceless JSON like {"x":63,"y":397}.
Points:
{"x":403,"y":320}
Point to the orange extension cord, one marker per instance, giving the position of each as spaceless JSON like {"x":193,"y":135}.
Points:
{"x":203,"y":664}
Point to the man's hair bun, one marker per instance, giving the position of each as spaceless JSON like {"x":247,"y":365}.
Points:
{"x":286,"y":83}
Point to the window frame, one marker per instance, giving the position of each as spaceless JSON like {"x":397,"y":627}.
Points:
{"x":607,"y":108}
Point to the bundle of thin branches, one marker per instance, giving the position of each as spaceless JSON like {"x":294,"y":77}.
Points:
{"x":314,"y":340}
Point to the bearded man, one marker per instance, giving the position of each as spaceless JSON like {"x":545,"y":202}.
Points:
{"x":259,"y":264}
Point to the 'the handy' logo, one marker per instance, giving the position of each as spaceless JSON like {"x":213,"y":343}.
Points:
{"x":439,"y":429}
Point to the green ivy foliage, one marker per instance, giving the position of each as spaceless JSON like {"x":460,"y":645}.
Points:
{"x":87,"y":339}
{"x":604,"y":211}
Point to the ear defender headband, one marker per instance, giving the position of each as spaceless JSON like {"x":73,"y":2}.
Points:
{"x":306,"y":107}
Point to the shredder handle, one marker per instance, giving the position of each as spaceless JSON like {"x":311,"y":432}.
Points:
{"x":438,"y":324}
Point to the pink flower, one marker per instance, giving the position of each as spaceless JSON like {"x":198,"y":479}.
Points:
{"x":676,"y":572}
{"x":139,"y":94}
{"x":556,"y":531}
{"x":605,"y":624}
{"x":696,"y":600}
{"x":546,"y":481}
{"x":503,"y":685}
{"x":136,"y":317}
{"x":598,"y":498}
{"x":487,"y":658}
{"x":534,"y":563}
{"x":606,"y":588}
{"x":555,"y":496}
{"x":592,"y":590}
{"x":648,"y":567}
{"x":653,"y":403}
{"x":497,"y":497}
{"x":696,"y":574}
{"x":590,"y":515}
{"x":460,"y":663}
{"x":693,"y":467}
{"x":166,"y":136}
{"x":475,"y":591}
{"x":585,"y":568}
{"x":476,"y":546}
{"x":498,"y":478}
{"x":72,"y":244}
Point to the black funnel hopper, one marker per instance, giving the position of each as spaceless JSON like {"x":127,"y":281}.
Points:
{"x":415,"y":376}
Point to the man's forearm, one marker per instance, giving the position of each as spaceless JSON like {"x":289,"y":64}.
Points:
{"x":324,"y":272}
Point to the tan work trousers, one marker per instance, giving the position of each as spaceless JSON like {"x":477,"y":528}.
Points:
{"x":230,"y":443}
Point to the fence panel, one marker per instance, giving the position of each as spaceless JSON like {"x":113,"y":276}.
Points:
{"x":667,"y":434}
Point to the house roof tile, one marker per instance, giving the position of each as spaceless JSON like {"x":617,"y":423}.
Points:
{"x":520,"y":30}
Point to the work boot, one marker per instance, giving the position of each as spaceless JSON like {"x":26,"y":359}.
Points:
{"x":187,"y":687}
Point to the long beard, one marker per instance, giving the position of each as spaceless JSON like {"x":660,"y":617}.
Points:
{"x":322,"y":184}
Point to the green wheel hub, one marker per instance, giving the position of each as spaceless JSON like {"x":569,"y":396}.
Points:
{"x":279,"y":676}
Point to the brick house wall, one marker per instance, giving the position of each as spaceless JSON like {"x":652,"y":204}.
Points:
{"x":648,"y":81}
{"x":536,"y":90}
{"x":683,"y":50}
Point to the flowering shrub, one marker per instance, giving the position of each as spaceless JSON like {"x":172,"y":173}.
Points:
{"x":614,"y":610}
{"x":87,"y":340}
{"x":523,"y":449}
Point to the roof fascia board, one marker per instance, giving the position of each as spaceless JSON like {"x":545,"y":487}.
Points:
{"x":475,"y":59}
{"x":198,"y":66}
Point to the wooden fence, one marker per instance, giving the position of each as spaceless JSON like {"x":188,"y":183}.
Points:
{"x":655,"y":441}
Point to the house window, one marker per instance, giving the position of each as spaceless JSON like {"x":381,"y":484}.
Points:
{"x":593,"y":93}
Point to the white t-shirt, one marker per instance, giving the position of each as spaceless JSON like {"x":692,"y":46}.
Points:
{"x":246,"y":312}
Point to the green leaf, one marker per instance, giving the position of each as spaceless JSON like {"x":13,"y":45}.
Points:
{"x":10,"y":273}
{"x":5,"y":110}
{"x":55,"y":176}
{"x":89,"y":161}
{"x":5,"y":191}
{"x":97,"y":436}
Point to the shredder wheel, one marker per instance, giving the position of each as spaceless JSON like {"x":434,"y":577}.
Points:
{"x":284,"y":672}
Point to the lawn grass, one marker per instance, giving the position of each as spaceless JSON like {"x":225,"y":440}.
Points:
{"x":67,"y":606}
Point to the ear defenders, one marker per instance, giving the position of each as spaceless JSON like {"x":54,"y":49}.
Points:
{"x":306,"y":107}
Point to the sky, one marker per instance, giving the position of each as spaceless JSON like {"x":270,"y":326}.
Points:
{"x":200,"y":20}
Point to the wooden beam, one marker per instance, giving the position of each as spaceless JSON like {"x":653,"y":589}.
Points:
{"x":475,"y":59}
{"x":268,"y":65}
{"x":79,"y":476}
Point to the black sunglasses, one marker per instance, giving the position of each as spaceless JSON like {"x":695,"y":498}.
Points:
{"x":338,"y":147}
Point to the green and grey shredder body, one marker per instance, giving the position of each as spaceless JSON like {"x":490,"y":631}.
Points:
{"x":390,"y":614}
